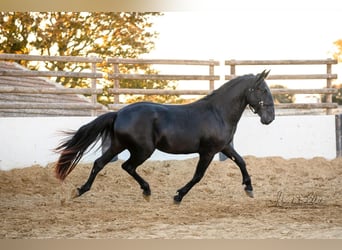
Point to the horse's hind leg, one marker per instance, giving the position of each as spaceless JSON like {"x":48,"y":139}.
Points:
{"x":136,"y":159}
{"x":246,"y":179}
{"x":97,"y":167}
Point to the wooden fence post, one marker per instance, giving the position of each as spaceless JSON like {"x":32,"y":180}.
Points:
{"x":116,"y":83}
{"x":329,"y":96}
{"x":232,"y":68}
{"x":338,"y":122}
{"x":93,"y":86}
{"x":211,"y":73}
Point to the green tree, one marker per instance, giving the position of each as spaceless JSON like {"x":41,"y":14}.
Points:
{"x":15,"y":30}
{"x":112,"y":34}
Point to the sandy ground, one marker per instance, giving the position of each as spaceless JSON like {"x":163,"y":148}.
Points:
{"x":294,"y":199}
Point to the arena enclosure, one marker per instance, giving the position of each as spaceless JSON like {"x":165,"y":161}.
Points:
{"x":300,"y":129}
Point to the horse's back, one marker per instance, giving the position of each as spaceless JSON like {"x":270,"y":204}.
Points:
{"x":166,"y":127}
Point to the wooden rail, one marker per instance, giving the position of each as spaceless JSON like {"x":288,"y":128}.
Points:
{"x":158,"y":92}
{"x":95,"y":74}
{"x":295,"y":77}
{"x":163,"y":61}
{"x":77,"y":59}
{"x":33,"y":73}
{"x":162,"y":77}
{"x":33,"y":105}
{"x":58,"y":91}
{"x":233,"y":62}
{"x":307,"y":105}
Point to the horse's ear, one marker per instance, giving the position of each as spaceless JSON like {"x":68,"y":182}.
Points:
{"x":262,"y":76}
{"x":266,"y":73}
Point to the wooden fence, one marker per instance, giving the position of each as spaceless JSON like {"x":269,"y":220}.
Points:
{"x":95,"y":74}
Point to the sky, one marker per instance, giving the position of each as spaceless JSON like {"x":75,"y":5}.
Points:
{"x":249,"y":33}
{"x":263,"y":29}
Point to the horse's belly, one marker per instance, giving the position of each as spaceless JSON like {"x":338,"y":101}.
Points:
{"x":177,"y":144}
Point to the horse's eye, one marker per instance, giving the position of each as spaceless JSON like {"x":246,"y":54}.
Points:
{"x":262,"y":91}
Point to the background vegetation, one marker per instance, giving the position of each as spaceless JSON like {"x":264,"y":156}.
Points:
{"x":112,"y":34}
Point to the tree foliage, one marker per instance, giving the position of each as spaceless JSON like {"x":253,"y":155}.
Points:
{"x":338,"y":53}
{"x":112,"y":34}
{"x":338,"y":56}
{"x":338,"y":96}
{"x":15,"y":31}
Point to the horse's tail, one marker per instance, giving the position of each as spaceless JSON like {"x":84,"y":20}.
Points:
{"x":76,"y":145}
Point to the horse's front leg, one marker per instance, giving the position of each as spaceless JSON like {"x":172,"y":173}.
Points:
{"x":202,"y":166}
{"x":230,"y":152}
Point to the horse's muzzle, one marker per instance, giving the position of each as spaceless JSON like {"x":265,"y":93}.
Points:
{"x":266,"y":122}
{"x":267,"y":118}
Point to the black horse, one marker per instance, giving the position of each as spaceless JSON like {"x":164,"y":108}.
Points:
{"x":206,"y":127}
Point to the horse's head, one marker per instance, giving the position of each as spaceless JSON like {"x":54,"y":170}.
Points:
{"x":260,"y":99}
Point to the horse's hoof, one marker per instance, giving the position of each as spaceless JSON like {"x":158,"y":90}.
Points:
{"x":176,"y":202}
{"x":147,"y":197}
{"x":249,"y":193}
{"x":177,"y":199}
{"x":75,"y":193}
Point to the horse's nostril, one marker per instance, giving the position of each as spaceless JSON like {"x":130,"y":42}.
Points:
{"x":267,"y":121}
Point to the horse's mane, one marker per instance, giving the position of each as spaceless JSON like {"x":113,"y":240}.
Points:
{"x":228,"y":85}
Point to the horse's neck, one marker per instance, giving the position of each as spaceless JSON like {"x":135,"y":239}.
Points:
{"x":231,"y":103}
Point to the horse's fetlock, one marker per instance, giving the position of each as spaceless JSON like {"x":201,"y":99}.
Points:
{"x":177,"y":199}
{"x":247,"y":181}
{"x":146,"y":189}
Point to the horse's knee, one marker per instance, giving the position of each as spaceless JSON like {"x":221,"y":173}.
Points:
{"x":128,"y":168}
